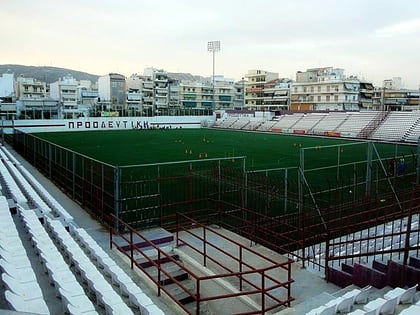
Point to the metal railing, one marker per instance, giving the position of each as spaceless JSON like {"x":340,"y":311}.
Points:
{"x":246,"y":274}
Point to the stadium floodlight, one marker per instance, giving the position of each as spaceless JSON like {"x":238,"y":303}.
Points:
{"x":213,"y":47}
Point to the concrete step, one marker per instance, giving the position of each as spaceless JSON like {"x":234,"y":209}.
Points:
{"x":169,"y":267}
{"x":182,"y":296}
{"x":179,"y":275}
{"x":143,"y":262}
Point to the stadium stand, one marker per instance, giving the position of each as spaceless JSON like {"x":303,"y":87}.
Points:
{"x":398,"y":126}
{"x":309,"y":121}
{"x":84,"y":281}
{"x":267,"y":125}
{"x":288,"y":121}
{"x":253,"y":124}
{"x":375,"y":125}
{"x":369,"y":300}
{"x":356,"y":122}
{"x":330,"y":122}
{"x":22,"y":289}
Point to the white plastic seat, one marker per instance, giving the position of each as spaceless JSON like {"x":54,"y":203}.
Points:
{"x":403,"y":296}
{"x":389,"y":307}
{"x":141,"y":301}
{"x":28,"y":290}
{"x":117,"y":309}
{"x":78,"y":304}
{"x":412,"y":310}
{"x":362,"y":296}
{"x":152,"y":310}
{"x":19,"y":304}
{"x":341,"y":304}
{"x":21,"y":275}
{"x":322,"y":310}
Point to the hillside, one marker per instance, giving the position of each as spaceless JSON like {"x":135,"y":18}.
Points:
{"x":52,"y":74}
{"x":46,"y":74}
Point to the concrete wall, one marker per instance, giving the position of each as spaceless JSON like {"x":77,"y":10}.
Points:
{"x":105,"y":123}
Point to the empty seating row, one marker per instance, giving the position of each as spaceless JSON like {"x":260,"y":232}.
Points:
{"x":118,"y":277}
{"x":395,"y":126}
{"x":57,"y":209}
{"x":309,"y":121}
{"x":73,"y":297}
{"x":23,"y":292}
{"x":98,"y":286}
{"x":343,"y":303}
{"x":381,"y":305}
{"x":29,"y":192}
{"x":11,"y":185}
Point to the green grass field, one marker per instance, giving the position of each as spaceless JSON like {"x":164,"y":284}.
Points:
{"x":262,"y":151}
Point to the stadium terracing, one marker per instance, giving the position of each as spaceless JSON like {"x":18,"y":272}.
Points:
{"x":337,"y":232}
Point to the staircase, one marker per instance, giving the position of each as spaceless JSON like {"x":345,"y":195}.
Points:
{"x":410,"y":130}
{"x":170,"y":275}
{"x":373,"y":125}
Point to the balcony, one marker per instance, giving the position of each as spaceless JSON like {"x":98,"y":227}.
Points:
{"x":190,"y":96}
{"x":254,"y":90}
{"x":189,"y":104}
{"x":225,"y":98}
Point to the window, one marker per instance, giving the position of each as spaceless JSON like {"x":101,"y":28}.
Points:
{"x":304,"y":89}
{"x":327,"y":98}
{"x":335,"y":97}
{"x":295,"y":89}
{"x":312,"y":89}
{"x":319,"y":88}
{"x":319,"y":98}
{"x":328,"y":88}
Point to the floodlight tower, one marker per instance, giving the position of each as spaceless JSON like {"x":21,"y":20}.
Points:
{"x":213,"y":47}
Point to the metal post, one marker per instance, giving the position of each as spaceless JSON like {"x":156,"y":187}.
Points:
{"x":369,"y":168}
{"x":240,"y":268}
{"x":117,"y":183}
{"x":285,"y":190}
{"x":197,"y":301}
{"x":338,"y":162}
{"x":159,"y":273}
{"x":262,"y":292}
{"x":73,"y":173}
{"x":204,"y":247}
{"x":131,"y":250}
{"x":418,"y":161}
{"x":220,"y":182}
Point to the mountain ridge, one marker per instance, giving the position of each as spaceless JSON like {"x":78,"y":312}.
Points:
{"x":50,"y":74}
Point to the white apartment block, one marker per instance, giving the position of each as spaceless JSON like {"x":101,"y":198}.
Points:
{"x":254,"y":93}
{"x":112,"y":93}
{"x":328,"y":89}
{"x":277,"y":94}
{"x":29,"y":88}
{"x":65,"y":91}
{"x":7,"y":86}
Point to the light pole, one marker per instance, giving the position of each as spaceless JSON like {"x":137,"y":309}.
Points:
{"x":213,"y":47}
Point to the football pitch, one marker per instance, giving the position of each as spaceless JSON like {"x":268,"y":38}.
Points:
{"x":262,"y":150}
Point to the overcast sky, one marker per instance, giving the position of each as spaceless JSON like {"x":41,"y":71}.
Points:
{"x":374,"y":39}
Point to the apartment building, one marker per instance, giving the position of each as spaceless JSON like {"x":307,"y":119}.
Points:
{"x":29,"y":88}
{"x":254,"y":93}
{"x":277,"y":94}
{"x":112,"y":93}
{"x":7,"y":87}
{"x":65,"y":91}
{"x":329,"y":89}
{"x":239,"y":94}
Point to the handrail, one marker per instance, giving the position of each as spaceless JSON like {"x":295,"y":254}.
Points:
{"x":264,"y":291}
